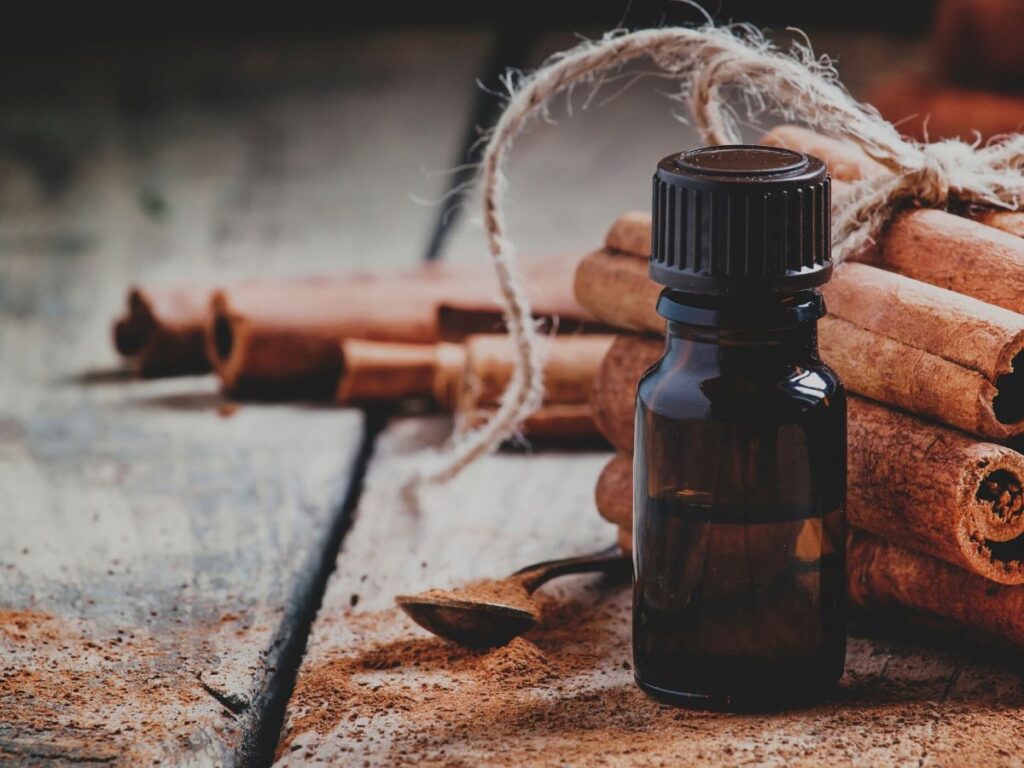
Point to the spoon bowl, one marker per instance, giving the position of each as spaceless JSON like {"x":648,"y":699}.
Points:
{"x":493,"y":612}
{"x":474,"y":624}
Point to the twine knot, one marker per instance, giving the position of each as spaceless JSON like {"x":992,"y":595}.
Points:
{"x":945,"y":165}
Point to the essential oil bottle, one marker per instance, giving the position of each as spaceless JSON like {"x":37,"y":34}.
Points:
{"x":740,"y":457}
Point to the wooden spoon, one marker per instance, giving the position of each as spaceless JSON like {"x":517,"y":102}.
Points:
{"x":492,"y":612}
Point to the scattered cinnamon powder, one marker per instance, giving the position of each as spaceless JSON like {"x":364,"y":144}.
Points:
{"x":72,"y":691}
{"x":564,"y":695}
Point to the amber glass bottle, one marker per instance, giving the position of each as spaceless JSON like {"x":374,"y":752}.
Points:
{"x":740,"y":469}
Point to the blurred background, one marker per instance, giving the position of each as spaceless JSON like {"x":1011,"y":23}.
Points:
{"x":184,"y":139}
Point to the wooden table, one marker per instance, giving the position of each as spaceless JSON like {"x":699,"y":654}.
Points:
{"x":163,"y":554}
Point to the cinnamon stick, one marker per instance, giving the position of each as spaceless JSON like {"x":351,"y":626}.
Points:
{"x":613,"y":398}
{"x":927,"y":487}
{"x":615,"y":288}
{"x":1008,"y":221}
{"x":959,"y":254}
{"x":467,"y":313}
{"x":374,"y":371}
{"x":282,"y":340}
{"x":470,"y":378}
{"x":848,"y":163}
{"x":937,"y":491}
{"x":614,"y":492}
{"x":570,"y":364}
{"x":884,"y":576}
{"x":161,"y":332}
{"x":933,"y":352}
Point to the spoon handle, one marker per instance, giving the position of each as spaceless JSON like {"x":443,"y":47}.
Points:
{"x":611,"y":561}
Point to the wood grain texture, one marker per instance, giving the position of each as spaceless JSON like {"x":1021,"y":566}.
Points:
{"x":154,"y":560}
{"x":157,"y":542}
{"x":376,"y":690}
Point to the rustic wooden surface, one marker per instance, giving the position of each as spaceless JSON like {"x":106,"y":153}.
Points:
{"x":159,"y":548}
{"x":375,"y":689}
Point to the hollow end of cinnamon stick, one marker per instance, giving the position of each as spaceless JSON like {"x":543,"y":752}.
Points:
{"x":159,"y":345}
{"x":273,"y":363}
{"x":1008,"y":403}
{"x":222,"y":333}
{"x":135,"y":329}
{"x":994,"y":529}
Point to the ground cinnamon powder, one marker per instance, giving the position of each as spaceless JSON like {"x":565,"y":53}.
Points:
{"x":510,"y":592}
{"x":564,"y":695}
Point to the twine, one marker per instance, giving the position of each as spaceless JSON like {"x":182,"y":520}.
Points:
{"x":706,"y":60}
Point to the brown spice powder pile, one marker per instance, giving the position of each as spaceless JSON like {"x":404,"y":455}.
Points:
{"x":564,"y":695}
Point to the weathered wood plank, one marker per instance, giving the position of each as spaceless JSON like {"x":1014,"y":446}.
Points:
{"x":376,"y":690}
{"x":157,"y":544}
{"x":153,"y":558}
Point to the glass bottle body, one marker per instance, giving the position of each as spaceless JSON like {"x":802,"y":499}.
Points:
{"x":739,"y":516}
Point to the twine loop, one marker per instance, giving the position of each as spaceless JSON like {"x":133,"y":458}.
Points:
{"x":706,"y":61}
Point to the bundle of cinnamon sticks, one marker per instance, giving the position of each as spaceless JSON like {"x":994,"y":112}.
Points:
{"x":432,"y":333}
{"x":929,"y":340}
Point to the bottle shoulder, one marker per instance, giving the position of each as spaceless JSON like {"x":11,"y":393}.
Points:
{"x":788,"y":391}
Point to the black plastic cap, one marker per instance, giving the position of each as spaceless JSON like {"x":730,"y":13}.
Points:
{"x":741,"y":220}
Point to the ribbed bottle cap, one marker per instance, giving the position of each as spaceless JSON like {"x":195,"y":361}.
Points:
{"x":741,"y":220}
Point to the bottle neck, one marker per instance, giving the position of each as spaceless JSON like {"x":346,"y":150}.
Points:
{"x":743,"y":332}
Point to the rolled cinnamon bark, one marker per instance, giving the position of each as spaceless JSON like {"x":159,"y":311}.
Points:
{"x":374,"y":371}
{"x":959,"y":254}
{"x":922,"y":485}
{"x":614,"y":492}
{"x":883,"y":576}
{"x":161,"y":332}
{"x":470,"y":378}
{"x":848,"y":163}
{"x":613,"y":398}
{"x":1008,"y":221}
{"x":282,"y":340}
{"x":549,"y":284}
{"x":615,"y":288}
{"x":937,"y":491}
{"x":932,"y":351}
{"x":570,"y":364}
{"x":630,"y":233}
